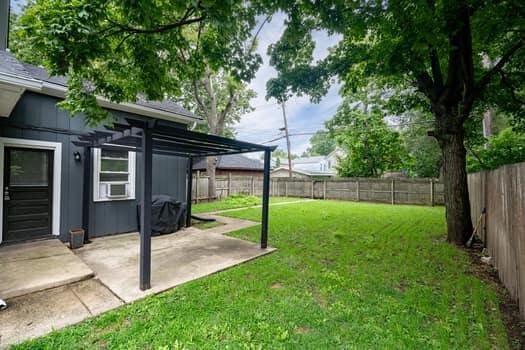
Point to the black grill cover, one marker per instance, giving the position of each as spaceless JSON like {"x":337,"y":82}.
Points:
{"x":166,"y":214}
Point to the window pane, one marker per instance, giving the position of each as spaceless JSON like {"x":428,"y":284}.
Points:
{"x":114,"y":165}
{"x":28,"y":168}
{"x":114,"y":154}
{"x":105,"y":177}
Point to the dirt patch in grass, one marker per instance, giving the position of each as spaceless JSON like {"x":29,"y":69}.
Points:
{"x":514,"y":324}
{"x":276,"y":286}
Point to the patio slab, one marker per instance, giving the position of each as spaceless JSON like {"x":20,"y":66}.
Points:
{"x":36,"y":314}
{"x":175,"y":259}
{"x":30,"y":267}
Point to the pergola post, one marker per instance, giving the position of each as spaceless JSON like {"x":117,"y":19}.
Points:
{"x":189,"y":189}
{"x":86,"y":192}
{"x":145,"y":209}
{"x":265,"y":198}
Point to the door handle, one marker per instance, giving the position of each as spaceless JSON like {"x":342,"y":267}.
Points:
{"x":6,"y":194}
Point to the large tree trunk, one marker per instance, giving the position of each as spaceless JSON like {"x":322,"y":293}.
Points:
{"x":211,"y":164}
{"x":457,"y":202}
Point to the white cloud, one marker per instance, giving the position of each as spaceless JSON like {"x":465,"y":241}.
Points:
{"x":303,"y":116}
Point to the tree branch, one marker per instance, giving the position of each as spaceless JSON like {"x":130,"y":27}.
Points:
{"x":507,"y":56}
{"x":436,"y":68}
{"x":160,"y":29}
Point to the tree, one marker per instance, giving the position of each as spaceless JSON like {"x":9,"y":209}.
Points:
{"x":431,"y":51}
{"x":423,"y":151}
{"x":321,"y":144}
{"x":507,"y":147}
{"x":222,"y":100}
{"x":127,"y":48}
{"x":371,"y":146}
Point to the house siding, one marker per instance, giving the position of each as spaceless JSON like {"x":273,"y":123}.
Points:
{"x":109,"y":217}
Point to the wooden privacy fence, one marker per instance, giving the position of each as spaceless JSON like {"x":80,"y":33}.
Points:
{"x":394,"y":191}
{"x":502,"y":193}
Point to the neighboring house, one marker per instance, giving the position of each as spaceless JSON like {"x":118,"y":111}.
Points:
{"x":234,"y":164}
{"x":42,"y":169}
{"x":316,"y":166}
{"x":283,"y":172}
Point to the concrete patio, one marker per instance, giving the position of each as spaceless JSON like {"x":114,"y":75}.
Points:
{"x":38,"y":305}
{"x":176,"y":259}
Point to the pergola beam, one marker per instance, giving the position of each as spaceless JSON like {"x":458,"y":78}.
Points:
{"x":145,"y":210}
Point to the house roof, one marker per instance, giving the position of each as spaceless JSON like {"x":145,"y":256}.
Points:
{"x":232,"y":162}
{"x":41,"y":81}
{"x":306,"y":172}
{"x":307,"y":160}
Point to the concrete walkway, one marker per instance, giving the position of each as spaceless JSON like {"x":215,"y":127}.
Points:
{"x":30,"y":267}
{"x":39,"y":313}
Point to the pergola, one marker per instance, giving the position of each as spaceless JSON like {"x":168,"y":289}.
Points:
{"x":151,"y":137}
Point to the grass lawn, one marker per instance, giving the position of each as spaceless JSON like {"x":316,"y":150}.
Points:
{"x":238,"y":201}
{"x":346,"y":275}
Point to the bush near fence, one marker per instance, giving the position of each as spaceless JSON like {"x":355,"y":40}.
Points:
{"x":502,"y":193}
{"x":394,"y":191}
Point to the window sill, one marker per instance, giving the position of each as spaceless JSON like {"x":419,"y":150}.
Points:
{"x":114,"y":199}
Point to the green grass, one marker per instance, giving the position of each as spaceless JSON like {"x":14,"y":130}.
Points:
{"x":346,"y":275}
{"x":237,"y":201}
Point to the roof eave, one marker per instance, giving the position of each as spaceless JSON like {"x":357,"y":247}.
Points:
{"x":59,"y":91}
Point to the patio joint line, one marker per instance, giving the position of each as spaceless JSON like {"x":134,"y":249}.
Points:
{"x":79,"y":299}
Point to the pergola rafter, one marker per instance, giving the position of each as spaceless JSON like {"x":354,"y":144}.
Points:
{"x":152,"y":137}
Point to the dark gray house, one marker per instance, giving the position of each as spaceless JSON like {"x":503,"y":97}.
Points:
{"x":42,"y":170}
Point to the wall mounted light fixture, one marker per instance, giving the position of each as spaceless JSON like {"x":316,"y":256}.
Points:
{"x":77,"y":156}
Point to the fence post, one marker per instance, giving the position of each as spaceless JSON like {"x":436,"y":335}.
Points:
{"x":312,"y":189}
{"x":393,"y":190}
{"x":432,"y":192}
{"x":358,"y":191}
{"x":252,"y":187}
{"x":324,"y":189}
{"x":286,"y":188}
{"x":197,"y":186}
{"x":229,"y":190}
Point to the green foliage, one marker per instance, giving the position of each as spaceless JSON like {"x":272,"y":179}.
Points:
{"x":371,"y":147}
{"x":507,"y":147}
{"x":423,"y":151}
{"x":345,"y":276}
{"x":127,"y":48}
{"x":321,"y":144}
{"x":220,"y":99}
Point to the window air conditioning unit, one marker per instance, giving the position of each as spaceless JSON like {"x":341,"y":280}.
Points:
{"x":117,"y":190}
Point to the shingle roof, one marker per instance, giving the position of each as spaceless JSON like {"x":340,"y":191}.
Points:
{"x":232,"y":162}
{"x":10,"y":65}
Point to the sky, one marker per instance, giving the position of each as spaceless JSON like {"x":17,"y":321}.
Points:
{"x":264,"y":122}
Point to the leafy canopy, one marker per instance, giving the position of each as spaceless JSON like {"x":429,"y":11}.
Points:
{"x":121,"y":49}
{"x":507,"y":147}
{"x":438,"y":54}
{"x":371,"y":147}
{"x":321,"y":144}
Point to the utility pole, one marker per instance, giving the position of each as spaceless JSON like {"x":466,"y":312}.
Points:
{"x":287,"y":139}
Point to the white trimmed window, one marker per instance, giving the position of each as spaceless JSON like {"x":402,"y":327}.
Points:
{"x":113,"y":175}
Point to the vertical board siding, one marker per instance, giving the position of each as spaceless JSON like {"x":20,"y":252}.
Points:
{"x":108,"y":217}
{"x":502,"y":193}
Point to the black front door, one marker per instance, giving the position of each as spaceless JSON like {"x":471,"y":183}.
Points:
{"x":27,"y":194}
